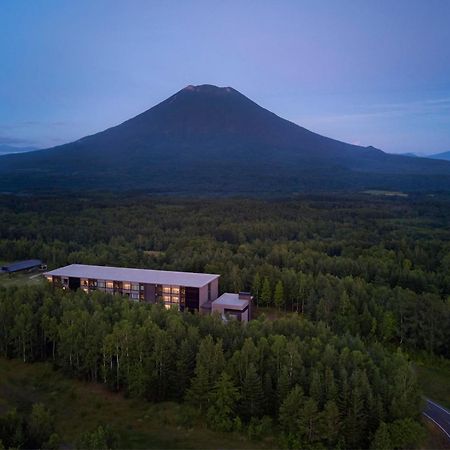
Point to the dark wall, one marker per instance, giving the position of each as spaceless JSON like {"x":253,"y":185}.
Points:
{"x":74,"y":283}
{"x":192,"y":298}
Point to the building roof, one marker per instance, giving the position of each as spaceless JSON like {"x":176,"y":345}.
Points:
{"x":231,"y":300}
{"x":189,"y":279}
{"x":21,"y":265}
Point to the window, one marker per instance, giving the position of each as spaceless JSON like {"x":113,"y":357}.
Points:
{"x":166,"y":298}
{"x":84,"y":282}
{"x":109,"y":284}
{"x":126,"y":285}
{"x":101,"y":284}
{"x":175,"y":299}
{"x":135,"y":295}
{"x":166,"y":289}
{"x":175,"y":290}
{"x":135,"y":286}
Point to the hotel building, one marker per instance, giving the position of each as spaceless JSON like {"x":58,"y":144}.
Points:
{"x":183,"y":290}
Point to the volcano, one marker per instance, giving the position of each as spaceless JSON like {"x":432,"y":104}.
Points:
{"x":211,"y":140}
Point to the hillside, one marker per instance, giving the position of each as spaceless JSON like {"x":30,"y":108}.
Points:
{"x":443,"y":155}
{"x":206,"y":139}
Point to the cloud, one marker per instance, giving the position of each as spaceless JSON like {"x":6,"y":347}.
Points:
{"x":14,"y":141}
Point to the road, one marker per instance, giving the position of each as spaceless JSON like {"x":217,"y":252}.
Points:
{"x":439,"y":415}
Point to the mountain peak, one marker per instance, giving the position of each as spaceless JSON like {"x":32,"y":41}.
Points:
{"x":209,"y":88}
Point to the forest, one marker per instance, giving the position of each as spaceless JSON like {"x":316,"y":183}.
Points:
{"x":363,"y":281}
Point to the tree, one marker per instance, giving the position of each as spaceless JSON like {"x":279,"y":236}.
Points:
{"x":266,"y":293}
{"x":252,"y":400}
{"x":309,"y":422}
{"x":256,"y":287}
{"x":279,"y":294}
{"x":209,"y":365}
{"x":331,"y":423}
{"x":40,"y":426}
{"x":103,"y":438}
{"x":221,"y":413}
{"x":406,"y":433}
{"x":289,"y":414}
{"x":382,"y":438}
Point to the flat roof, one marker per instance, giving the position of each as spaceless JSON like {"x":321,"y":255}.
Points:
{"x":189,"y":279}
{"x":21,"y":265}
{"x":231,"y":300}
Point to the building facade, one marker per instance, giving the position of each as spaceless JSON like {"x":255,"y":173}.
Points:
{"x":184,"y":290}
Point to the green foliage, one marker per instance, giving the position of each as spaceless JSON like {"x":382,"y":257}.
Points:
{"x":266,"y":293}
{"x":102,"y":438}
{"x":33,"y":430}
{"x":382,"y":439}
{"x":224,"y":398}
{"x":365,"y":275}
{"x":278,"y":296}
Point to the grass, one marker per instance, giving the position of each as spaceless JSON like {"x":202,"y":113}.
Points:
{"x":79,"y":407}
{"x":20,"y":278}
{"x":434,"y":379}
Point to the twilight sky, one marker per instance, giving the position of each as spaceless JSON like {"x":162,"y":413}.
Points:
{"x":365,"y":72}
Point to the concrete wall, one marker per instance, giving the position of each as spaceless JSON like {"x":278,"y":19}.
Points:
{"x":202,"y":295}
{"x":229,"y":309}
{"x":214,"y":289}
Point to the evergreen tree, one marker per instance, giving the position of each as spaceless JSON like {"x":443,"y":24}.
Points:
{"x":266,"y":293}
{"x":221,"y":413}
{"x":252,"y":401}
{"x":283,"y":385}
{"x":256,"y":287}
{"x":209,"y":365}
{"x":279,"y":294}
{"x":331,"y":423}
{"x":309,"y":422}
{"x":382,"y":438}
{"x":289,"y":414}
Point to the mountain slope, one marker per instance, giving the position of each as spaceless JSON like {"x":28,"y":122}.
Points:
{"x":6,"y":149}
{"x":444,"y":155}
{"x":206,"y":139}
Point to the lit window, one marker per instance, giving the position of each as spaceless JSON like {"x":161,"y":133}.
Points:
{"x":175,"y":290}
{"x":166,"y":289}
{"x":127,"y":286}
{"x":175,"y":299}
{"x":109,"y":284}
{"x":166,"y":298}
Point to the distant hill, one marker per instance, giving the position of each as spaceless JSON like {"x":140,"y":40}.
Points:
{"x":210,"y":140}
{"x":444,"y":155}
{"x":6,"y":149}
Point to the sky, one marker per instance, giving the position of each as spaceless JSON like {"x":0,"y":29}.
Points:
{"x":365,"y":72}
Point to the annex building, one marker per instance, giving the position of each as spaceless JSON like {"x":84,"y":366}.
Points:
{"x":183,"y":290}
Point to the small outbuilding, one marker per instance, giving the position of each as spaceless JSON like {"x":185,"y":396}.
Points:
{"x":233,"y":306}
{"x":23,"y":265}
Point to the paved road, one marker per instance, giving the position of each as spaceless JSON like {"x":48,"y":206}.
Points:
{"x":439,"y":415}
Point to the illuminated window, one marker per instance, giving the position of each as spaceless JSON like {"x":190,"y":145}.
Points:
{"x":127,"y":286}
{"x":166,"y":298}
{"x":175,"y":290}
{"x":49,"y":278}
{"x":175,"y":299}
{"x":109,"y":284}
{"x":166,"y":289}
